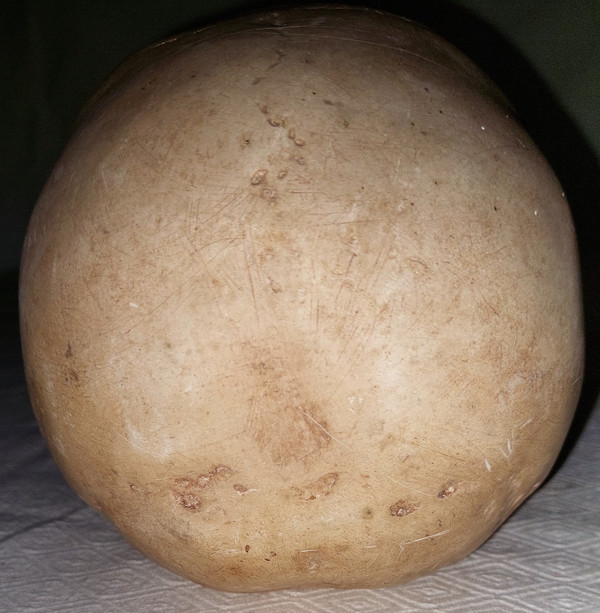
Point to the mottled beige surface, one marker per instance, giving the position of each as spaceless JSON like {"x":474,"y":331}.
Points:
{"x":300,"y":305}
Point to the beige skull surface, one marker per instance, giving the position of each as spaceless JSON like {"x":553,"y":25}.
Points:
{"x":300,"y":304}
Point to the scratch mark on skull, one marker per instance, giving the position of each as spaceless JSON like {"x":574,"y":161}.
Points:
{"x":351,"y":450}
{"x":423,"y":538}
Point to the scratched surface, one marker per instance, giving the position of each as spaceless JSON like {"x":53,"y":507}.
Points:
{"x":58,"y":555}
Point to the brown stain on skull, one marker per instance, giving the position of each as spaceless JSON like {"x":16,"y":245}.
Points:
{"x":288,"y":431}
{"x":187,"y":491}
{"x":318,"y":488}
{"x":188,"y":501}
{"x":402,"y":508}
{"x":447,"y":490}
{"x":285,"y":423}
{"x":368,"y":513}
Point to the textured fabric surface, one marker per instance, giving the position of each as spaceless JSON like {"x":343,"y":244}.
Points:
{"x":58,"y":555}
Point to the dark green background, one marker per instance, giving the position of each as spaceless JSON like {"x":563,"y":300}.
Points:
{"x":544,"y":54}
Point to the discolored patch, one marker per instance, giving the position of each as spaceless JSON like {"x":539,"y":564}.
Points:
{"x":402,"y":508}
{"x":283,"y":423}
{"x":259,"y":176}
{"x":289,"y":432}
{"x":188,"y":501}
{"x":187,"y":491}
{"x":368,"y":513}
{"x":447,"y":490}
{"x":321,"y":487}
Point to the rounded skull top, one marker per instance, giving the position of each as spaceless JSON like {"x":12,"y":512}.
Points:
{"x":300,"y":303}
